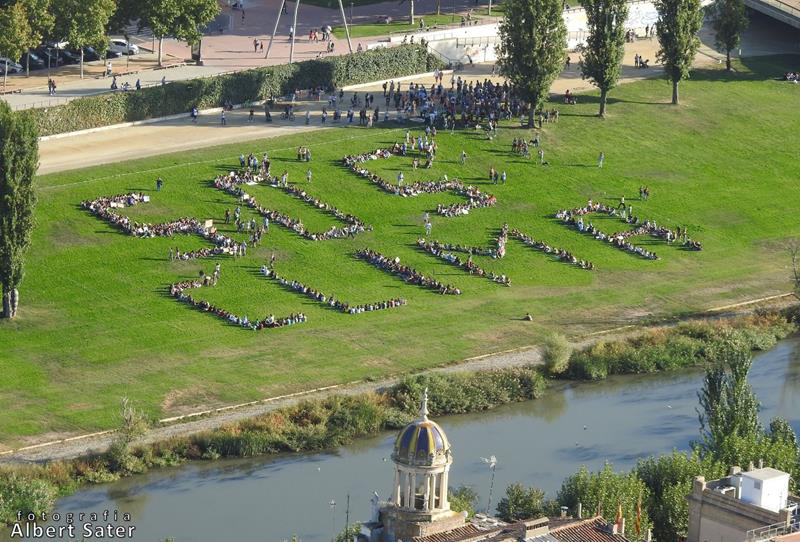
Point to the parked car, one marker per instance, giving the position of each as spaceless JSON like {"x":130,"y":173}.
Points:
{"x":90,"y":55}
{"x":45,"y":52}
{"x":13,"y":67}
{"x":33,"y":61}
{"x":123,"y":47}
{"x":70,"y":57}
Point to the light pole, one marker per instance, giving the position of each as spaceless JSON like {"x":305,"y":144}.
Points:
{"x":492,"y":462}
{"x":49,"y":54}
{"x":333,"y":520}
{"x":351,"y":13}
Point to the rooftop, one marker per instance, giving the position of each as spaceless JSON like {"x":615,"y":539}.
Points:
{"x":766,"y":473}
{"x":588,"y":530}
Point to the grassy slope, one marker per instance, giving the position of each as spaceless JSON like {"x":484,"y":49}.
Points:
{"x":96,"y":324}
{"x":399,"y":24}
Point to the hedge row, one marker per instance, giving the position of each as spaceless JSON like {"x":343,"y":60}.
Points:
{"x":249,"y":85}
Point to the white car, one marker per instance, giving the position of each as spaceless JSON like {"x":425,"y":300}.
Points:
{"x":122,"y":47}
{"x":13,"y":67}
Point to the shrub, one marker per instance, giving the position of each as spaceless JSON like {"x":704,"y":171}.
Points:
{"x":24,"y":494}
{"x":240,"y":87}
{"x":686,"y":345}
{"x":556,"y":351}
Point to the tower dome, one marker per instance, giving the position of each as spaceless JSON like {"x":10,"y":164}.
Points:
{"x":422,"y":442}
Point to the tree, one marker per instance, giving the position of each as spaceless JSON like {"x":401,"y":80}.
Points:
{"x":521,"y":503}
{"x":463,"y":499}
{"x":669,"y":480}
{"x":556,"y":352}
{"x":602,"y":55}
{"x":603,"y":492}
{"x":181,"y":19}
{"x":40,"y":21}
{"x":533,"y":39}
{"x":133,"y":425}
{"x":83,"y":23}
{"x":15,"y":33}
{"x":728,"y":411}
{"x":349,"y":533}
{"x":729,"y":20}
{"x":19,"y":159}
{"x":679,"y":21}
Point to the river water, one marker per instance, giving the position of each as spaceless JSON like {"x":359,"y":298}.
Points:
{"x":537,"y":443}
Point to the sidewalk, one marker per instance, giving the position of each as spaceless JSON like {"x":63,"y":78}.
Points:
{"x":230,"y":50}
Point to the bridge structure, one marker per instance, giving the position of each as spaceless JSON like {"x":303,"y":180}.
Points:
{"x":786,"y":11}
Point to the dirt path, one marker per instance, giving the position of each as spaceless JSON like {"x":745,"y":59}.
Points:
{"x":198,"y":422}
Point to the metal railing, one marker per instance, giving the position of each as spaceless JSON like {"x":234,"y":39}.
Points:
{"x":768,"y":532}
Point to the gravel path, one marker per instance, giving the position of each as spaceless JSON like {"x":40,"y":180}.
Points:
{"x":527,"y":355}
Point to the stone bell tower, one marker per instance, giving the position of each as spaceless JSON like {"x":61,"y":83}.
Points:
{"x":418,"y":505}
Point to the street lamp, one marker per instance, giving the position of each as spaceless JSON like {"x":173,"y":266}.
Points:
{"x":333,"y":520}
{"x":49,"y":55}
{"x":492,"y":462}
{"x":351,"y":13}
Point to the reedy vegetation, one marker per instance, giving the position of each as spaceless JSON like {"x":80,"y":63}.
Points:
{"x":322,"y":424}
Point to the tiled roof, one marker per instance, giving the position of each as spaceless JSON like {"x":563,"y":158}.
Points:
{"x":589,"y":530}
{"x":467,"y":532}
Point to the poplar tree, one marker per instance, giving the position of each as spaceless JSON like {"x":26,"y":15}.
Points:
{"x":729,"y":20}
{"x":533,"y":40}
{"x":679,"y":21}
{"x":19,"y":159}
{"x":602,"y":56}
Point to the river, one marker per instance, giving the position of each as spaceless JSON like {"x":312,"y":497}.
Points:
{"x":537,"y":443}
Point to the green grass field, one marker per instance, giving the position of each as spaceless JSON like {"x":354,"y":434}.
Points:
{"x":363,"y":30}
{"x":96,"y":322}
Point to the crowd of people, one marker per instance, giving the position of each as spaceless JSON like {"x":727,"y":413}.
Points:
{"x":331,"y":301}
{"x":467,"y":264}
{"x":179,"y":292}
{"x":232,"y":184}
{"x":408,"y":274}
{"x":575,"y":218}
{"x":475,"y":198}
{"x":104,"y":207}
{"x":560,"y":253}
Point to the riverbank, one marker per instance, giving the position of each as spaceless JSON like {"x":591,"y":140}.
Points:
{"x":315,"y":425}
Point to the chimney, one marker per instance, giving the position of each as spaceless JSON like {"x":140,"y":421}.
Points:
{"x":750,"y":467}
{"x":699,"y":484}
{"x":564,"y":511}
{"x":580,"y":510}
{"x":735,"y":470}
{"x":622,"y":527}
{"x":760,"y":463}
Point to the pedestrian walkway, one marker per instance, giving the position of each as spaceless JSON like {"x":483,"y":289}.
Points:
{"x":227,"y":46}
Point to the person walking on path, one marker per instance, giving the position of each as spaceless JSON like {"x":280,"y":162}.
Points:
{"x":601,"y":159}
{"x":255,"y":45}
{"x":222,"y":118}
